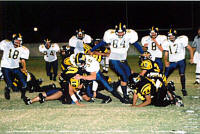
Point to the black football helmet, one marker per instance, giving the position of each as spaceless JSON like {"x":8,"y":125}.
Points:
{"x":172,"y":34}
{"x":146,"y":55}
{"x":80,"y":34}
{"x":47,"y":43}
{"x":154,"y":32}
{"x":17,"y":39}
{"x":120,"y":30}
{"x":80,"y":59}
{"x":134,"y":79}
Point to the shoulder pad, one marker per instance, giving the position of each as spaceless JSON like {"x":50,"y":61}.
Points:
{"x":111,"y":31}
{"x":146,"y":65}
{"x":24,"y":47}
{"x":7,"y":40}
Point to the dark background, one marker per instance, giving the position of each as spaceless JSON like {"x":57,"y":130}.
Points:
{"x":59,"y":20}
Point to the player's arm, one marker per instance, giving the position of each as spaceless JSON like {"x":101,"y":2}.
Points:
{"x":102,"y":54}
{"x":23,"y":62}
{"x":73,"y":96}
{"x":166,"y":53}
{"x":135,"y":97}
{"x":138,"y":47}
{"x":191,"y":53}
{"x":147,"y":102}
{"x":100,"y":44}
{"x":158,"y":45}
{"x":92,"y":76}
{"x":143,"y":72}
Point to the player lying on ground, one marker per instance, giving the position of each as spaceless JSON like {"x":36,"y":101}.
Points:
{"x":146,"y":90}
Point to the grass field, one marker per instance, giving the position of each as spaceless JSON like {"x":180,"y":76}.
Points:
{"x":112,"y":118}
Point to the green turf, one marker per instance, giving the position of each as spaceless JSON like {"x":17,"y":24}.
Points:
{"x":112,"y":118}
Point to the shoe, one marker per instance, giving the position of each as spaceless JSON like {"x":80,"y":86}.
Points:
{"x":106,"y":100}
{"x":42,"y":98}
{"x":91,"y":100}
{"x":54,"y":79}
{"x":184,"y":92}
{"x":126,"y":100}
{"x":179,"y":102}
{"x":50,"y":77}
{"x":104,"y":71}
{"x":27,"y":101}
{"x":7,"y":95}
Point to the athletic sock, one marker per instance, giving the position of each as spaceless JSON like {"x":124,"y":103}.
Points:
{"x":183,"y":81}
{"x":101,"y":96}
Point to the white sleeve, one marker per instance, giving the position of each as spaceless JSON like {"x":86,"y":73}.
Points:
{"x":87,"y":39}
{"x":72,"y":41}
{"x":133,"y":36}
{"x":107,"y":36}
{"x":184,"y":40}
{"x":25,"y":53}
{"x":72,"y":59}
{"x":163,"y":38}
{"x":3,"y":44}
{"x":56,"y":47}
{"x":165,"y":45}
{"x":42,"y":48}
{"x":144,"y":40}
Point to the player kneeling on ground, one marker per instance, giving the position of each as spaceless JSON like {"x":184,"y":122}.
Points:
{"x":145,"y":90}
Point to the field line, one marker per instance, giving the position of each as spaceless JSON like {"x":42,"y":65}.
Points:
{"x":97,"y":132}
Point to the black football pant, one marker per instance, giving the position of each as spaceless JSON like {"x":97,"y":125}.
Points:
{"x":49,"y":65}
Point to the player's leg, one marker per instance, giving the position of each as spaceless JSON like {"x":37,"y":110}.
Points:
{"x":123,"y":70}
{"x":48,"y":70}
{"x":55,"y":69}
{"x":105,"y":64}
{"x":160,"y":64}
{"x":21,"y":77}
{"x":105,"y":83}
{"x":7,"y":78}
{"x":197,"y":72}
{"x":169,"y":70}
{"x":182,"y":66}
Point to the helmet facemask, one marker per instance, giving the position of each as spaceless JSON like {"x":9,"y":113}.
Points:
{"x":17,"y":40}
{"x":80,"y":34}
{"x":154,"y":32}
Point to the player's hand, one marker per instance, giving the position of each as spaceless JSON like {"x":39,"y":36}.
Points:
{"x":78,"y":76}
{"x":79,"y":104}
{"x":24,"y":70}
{"x":167,"y":64}
{"x":191,"y":61}
{"x":106,"y":54}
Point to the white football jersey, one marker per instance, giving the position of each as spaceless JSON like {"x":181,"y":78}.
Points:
{"x":11,"y":55}
{"x":176,"y":49}
{"x":119,"y":46}
{"x":49,"y":54}
{"x":152,"y":48}
{"x":92,"y":65}
{"x":78,"y":44}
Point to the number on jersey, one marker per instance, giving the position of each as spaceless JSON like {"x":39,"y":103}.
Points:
{"x":115,"y":44}
{"x":15,"y":54}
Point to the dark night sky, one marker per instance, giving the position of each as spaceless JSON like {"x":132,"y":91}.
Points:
{"x":59,"y":20}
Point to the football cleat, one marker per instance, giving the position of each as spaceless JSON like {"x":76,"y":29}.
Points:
{"x":27,"y":101}
{"x":42,"y":98}
{"x":179,"y":102}
{"x":184,"y":92}
{"x":7,"y":95}
{"x":107,"y":100}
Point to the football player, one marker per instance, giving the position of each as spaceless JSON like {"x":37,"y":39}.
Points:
{"x":175,"y":55}
{"x":90,"y":65}
{"x":119,"y":40}
{"x":101,"y":54}
{"x":145,"y":90}
{"x":196,"y":48}
{"x":13,"y":54}
{"x":153,"y":44}
{"x":66,"y":52}
{"x":49,"y":50}
{"x":77,"y":41}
